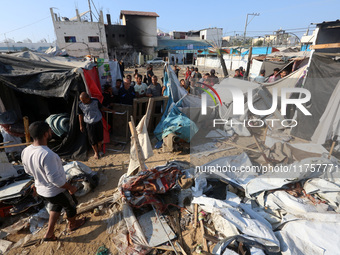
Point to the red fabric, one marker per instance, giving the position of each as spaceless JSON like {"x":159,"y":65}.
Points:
{"x":274,"y":49}
{"x":95,"y":90}
{"x":93,"y":83}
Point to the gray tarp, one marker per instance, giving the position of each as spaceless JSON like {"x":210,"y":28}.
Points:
{"x":322,"y":78}
{"x":36,"y":77}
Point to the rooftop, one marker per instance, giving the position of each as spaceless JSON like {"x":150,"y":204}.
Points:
{"x":138,"y":13}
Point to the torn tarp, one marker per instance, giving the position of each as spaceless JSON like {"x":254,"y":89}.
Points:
{"x":255,"y":229}
{"x":178,"y":123}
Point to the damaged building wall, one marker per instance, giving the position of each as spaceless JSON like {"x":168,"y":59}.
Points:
{"x":141,"y":30}
{"x":79,"y":37}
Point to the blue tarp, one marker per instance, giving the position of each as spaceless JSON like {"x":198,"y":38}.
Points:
{"x":259,"y":51}
{"x":178,"y":123}
{"x":305,"y":48}
{"x":173,"y":120}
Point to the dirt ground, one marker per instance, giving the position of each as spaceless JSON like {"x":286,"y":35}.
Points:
{"x":92,"y":235}
{"x":110,"y":168}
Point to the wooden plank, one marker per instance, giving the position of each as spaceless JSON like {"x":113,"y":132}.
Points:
{"x":149,"y":110}
{"x":134,"y":110}
{"x":180,"y":248}
{"x":325,"y":46}
{"x":27,"y":132}
{"x":165,"y":248}
{"x":195,"y":215}
{"x":14,"y":145}
{"x":6,"y":142}
{"x":96,"y":204}
{"x":205,"y":243}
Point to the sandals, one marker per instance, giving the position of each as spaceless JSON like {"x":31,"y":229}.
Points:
{"x":50,"y":239}
{"x":81,"y":223}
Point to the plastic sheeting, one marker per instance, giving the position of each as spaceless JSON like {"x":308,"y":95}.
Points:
{"x":144,"y":141}
{"x":173,"y":120}
{"x":329,"y":124}
{"x":35,"y":77}
{"x":304,"y":237}
{"x":322,"y":79}
{"x":251,"y":228}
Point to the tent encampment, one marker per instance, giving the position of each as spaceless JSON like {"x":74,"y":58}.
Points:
{"x":38,"y":89}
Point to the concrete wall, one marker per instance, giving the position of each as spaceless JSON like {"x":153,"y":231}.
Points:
{"x":232,"y":62}
{"x":212,"y":34}
{"x":141,"y":30}
{"x":81,"y":30}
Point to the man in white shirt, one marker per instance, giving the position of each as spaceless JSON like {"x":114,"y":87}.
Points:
{"x":140,"y":88}
{"x":50,"y":179}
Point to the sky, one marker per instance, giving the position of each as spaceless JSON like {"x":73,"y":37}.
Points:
{"x":21,"y":19}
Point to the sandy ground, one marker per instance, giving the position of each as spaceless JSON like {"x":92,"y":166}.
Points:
{"x":110,"y":168}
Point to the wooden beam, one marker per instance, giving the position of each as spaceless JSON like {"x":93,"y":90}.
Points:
{"x":98,"y":203}
{"x":27,"y":132}
{"x":14,"y":145}
{"x":325,"y":46}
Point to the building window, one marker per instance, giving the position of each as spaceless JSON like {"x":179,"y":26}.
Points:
{"x":93,"y":38}
{"x":202,"y":37}
{"x":70,"y":39}
{"x":113,"y":35}
{"x":121,"y":36}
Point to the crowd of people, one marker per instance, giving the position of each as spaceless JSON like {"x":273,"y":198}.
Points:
{"x":124,"y":91}
{"x":194,"y":79}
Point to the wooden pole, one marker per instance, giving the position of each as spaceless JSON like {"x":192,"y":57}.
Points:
{"x":332,"y":147}
{"x":205,"y":243}
{"x":27,"y":132}
{"x":148,"y":112}
{"x":265,"y":135}
{"x":14,"y":145}
{"x":195,"y":215}
{"x":248,"y":64}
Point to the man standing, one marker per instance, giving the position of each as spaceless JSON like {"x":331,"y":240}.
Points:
{"x":127,"y":93}
{"x":90,"y":113}
{"x":155,"y":89}
{"x":149,"y":74}
{"x":50,"y":179}
{"x":260,"y":78}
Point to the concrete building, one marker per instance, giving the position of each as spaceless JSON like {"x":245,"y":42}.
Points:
{"x":80,"y":37}
{"x":212,"y":35}
{"x":135,"y":38}
{"x":141,"y":28}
